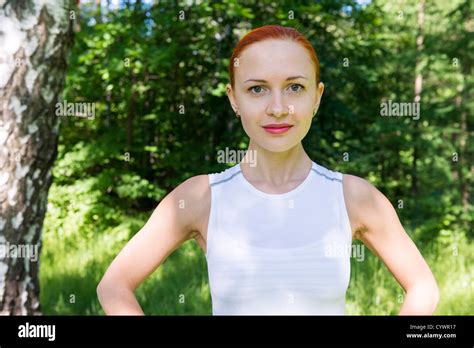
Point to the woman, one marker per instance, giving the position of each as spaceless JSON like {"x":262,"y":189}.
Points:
{"x":273,"y":231}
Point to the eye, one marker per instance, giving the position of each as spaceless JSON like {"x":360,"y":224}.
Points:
{"x":254,"y":91}
{"x":258,"y":89}
{"x":298,"y":85}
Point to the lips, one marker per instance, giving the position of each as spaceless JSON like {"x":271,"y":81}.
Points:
{"x":277,"y":128}
{"x":277,"y":125}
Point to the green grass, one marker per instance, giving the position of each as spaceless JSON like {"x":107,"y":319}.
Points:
{"x":374,"y":291}
{"x":71,"y":268}
{"x":70,"y":272}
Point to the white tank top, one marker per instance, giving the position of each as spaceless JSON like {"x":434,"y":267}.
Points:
{"x":281,"y":254}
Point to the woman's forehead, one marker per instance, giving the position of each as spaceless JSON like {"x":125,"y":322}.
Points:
{"x":274,"y":58}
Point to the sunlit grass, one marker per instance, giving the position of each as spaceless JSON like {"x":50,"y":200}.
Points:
{"x":374,"y":291}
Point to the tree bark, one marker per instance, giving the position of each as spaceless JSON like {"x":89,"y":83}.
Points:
{"x":34,"y":38}
{"x":417,"y":89}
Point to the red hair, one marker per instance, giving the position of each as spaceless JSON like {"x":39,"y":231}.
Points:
{"x":268,"y":32}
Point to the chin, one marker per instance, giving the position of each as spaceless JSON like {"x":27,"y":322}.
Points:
{"x":278,"y":145}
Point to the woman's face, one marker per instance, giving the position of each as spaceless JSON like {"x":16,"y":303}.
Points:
{"x":285,"y":92}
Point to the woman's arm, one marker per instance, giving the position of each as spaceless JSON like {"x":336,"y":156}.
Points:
{"x":377,"y":225}
{"x":171,"y":224}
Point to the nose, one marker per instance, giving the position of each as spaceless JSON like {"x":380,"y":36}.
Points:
{"x":276,"y":107}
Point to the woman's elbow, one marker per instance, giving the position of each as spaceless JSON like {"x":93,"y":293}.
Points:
{"x":107,"y":286}
{"x":429,"y":294}
{"x":101,"y":289}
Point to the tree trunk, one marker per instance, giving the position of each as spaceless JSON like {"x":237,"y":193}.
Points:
{"x":34,"y":36}
{"x":98,"y":13}
{"x":466,"y":70}
{"x":417,"y":89}
{"x":462,"y":153}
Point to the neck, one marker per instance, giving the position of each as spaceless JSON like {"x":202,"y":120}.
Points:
{"x":276,"y":168}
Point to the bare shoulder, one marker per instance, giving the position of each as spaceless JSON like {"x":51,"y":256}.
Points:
{"x":362,"y":201}
{"x":358,"y":189}
{"x":196,"y":187}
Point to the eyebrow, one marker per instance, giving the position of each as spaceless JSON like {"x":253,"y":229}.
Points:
{"x":288,"y":79}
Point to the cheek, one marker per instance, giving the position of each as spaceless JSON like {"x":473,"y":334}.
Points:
{"x":250,"y":127}
{"x":252,"y":113}
{"x":302,"y":112}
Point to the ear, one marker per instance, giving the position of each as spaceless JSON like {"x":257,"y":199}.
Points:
{"x":320,"y":92}
{"x":231,"y":96}
{"x":319,"y":95}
